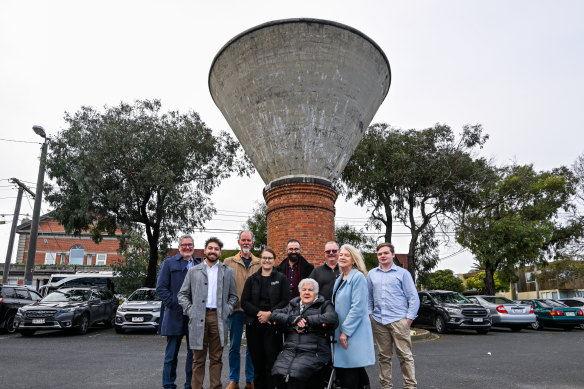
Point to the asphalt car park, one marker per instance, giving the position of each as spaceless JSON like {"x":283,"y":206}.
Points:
{"x":464,"y":359}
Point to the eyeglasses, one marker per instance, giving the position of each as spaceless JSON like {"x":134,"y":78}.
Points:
{"x":293,"y":248}
{"x":268,"y":258}
{"x":331,"y":251}
{"x":185,"y":245}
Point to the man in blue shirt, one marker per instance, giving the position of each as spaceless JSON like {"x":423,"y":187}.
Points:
{"x":393,"y":306}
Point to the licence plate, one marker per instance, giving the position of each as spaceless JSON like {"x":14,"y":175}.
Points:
{"x":137,"y":319}
{"x":477,"y":319}
{"x":570,"y":313}
{"x":38,"y":321}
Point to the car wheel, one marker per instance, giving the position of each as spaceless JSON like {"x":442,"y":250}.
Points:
{"x":83,"y":324}
{"x":440,"y":325}
{"x":516,"y":328}
{"x":9,"y":324}
{"x":536,"y":325}
{"x":27,"y":333}
{"x":120,"y":330}
{"x":483,"y":332}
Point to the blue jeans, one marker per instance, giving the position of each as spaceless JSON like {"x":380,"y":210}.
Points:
{"x":171,"y":361}
{"x":236,"y":322}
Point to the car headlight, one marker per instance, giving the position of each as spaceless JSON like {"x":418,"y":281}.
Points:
{"x":455,"y":311}
{"x":156,"y":309}
{"x":64,"y":310}
{"x":122,"y":308}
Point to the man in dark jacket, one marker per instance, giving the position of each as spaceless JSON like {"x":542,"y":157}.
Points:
{"x":295,"y":267}
{"x":173,"y":324}
{"x":327,"y":274}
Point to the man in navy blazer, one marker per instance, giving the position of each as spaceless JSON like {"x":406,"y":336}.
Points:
{"x":173,"y":324}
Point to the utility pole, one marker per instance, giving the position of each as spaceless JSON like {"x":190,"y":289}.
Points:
{"x":21,"y":188}
{"x":34,"y":227}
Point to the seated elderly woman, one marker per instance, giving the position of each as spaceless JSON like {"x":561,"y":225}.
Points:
{"x":307,"y":320}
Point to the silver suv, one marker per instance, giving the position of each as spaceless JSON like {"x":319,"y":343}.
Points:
{"x":140,"y":310}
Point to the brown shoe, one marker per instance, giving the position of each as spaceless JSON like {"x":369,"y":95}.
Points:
{"x":249,"y":385}
{"x":233,"y":385}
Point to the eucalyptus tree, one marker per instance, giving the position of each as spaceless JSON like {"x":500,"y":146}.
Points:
{"x":418,"y":179}
{"x":131,"y":164}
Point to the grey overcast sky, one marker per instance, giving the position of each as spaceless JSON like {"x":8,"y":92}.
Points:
{"x":516,"y":67}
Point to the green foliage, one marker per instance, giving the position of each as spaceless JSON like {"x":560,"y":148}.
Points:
{"x":257,"y":223}
{"x":416,"y":178}
{"x":515,"y":221}
{"x":442,"y":280}
{"x":131,"y":165}
{"x":130,"y":272}
{"x":477,"y":282}
{"x":561,"y":272}
{"x":346,"y":234}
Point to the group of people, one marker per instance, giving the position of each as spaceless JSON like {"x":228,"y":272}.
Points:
{"x":291,"y":313}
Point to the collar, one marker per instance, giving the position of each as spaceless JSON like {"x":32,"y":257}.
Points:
{"x":392,"y":268}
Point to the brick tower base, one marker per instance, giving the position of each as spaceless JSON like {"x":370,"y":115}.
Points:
{"x":301,"y":208}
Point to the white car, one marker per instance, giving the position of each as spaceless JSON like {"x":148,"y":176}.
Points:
{"x":140,"y":311}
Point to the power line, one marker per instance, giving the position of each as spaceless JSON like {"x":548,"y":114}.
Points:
{"x":19,"y":141}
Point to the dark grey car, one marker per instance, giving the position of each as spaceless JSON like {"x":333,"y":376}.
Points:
{"x":68,"y":309}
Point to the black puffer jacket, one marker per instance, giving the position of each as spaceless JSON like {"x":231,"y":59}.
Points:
{"x":305,"y":354}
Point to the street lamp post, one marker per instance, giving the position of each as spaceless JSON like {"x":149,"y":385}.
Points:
{"x":34,"y":228}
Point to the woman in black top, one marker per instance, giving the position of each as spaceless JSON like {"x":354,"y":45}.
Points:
{"x":264,"y":291}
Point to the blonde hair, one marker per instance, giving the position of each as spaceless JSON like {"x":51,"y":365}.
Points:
{"x":357,"y":258}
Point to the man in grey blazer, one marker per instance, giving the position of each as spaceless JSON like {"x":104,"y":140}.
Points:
{"x":208,"y":296}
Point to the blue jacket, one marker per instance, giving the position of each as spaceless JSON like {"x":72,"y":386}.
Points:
{"x":170,"y":279}
{"x":351,"y":307}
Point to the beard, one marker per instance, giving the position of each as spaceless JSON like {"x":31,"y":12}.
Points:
{"x":293,"y":257}
{"x":212,"y":259}
{"x":245,"y":250}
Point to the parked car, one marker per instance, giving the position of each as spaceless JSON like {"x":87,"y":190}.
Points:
{"x":13,"y":297}
{"x":552,"y":313}
{"x":447,"y":310}
{"x":574,"y":302}
{"x":506,"y":313}
{"x":74,"y":309}
{"x":140,"y":310}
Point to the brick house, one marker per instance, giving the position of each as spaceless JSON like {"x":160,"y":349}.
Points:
{"x":59,"y":252}
{"x":56,"y":247}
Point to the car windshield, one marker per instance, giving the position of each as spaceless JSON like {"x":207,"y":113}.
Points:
{"x":498,"y":300}
{"x":547,"y":303}
{"x":144,"y":295}
{"x":61,"y":296}
{"x":453,"y":297}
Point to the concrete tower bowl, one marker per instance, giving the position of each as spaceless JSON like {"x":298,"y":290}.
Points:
{"x":299,"y":94}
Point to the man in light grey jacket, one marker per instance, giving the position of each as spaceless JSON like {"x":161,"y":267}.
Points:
{"x":208,"y":296}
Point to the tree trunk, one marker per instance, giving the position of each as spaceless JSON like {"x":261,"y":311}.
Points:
{"x":489,"y":278}
{"x":150,"y":281}
{"x":412,"y":256}
{"x":389,"y":222}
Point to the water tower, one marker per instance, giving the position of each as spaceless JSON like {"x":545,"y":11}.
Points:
{"x":299,"y":94}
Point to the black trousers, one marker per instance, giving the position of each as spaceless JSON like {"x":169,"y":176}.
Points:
{"x":352,"y":378}
{"x":264,"y":344}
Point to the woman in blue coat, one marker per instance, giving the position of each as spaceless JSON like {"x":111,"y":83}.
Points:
{"x":354,"y":349}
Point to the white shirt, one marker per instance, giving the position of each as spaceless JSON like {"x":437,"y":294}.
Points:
{"x":212,"y":272}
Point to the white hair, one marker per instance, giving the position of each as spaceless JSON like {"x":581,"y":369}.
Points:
{"x":308,"y":281}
